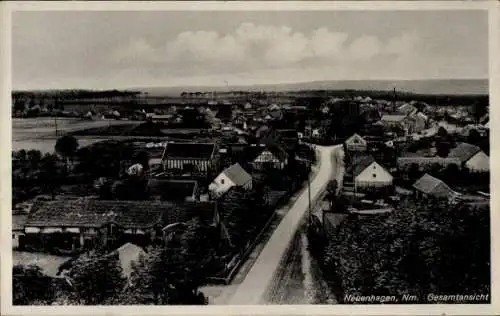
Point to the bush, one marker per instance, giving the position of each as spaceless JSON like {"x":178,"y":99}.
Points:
{"x":430,"y":247}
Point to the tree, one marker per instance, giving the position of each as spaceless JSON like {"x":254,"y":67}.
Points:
{"x":51,"y":175}
{"x":30,"y":286}
{"x":237,"y":209}
{"x":426,"y":246}
{"x":171,"y":275}
{"x":474,"y":137}
{"x":142,"y":157}
{"x":95,"y":278}
{"x":443,"y":148}
{"x":66,"y":146}
{"x":34,"y":158}
{"x":331,"y":190}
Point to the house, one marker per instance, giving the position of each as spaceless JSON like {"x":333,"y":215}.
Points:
{"x":275,"y":115}
{"x":415,"y":123}
{"x":239,"y":120}
{"x":18,"y":222}
{"x":233,"y":176}
{"x":471,"y":157}
{"x":407,"y":109}
{"x":356,"y":143}
{"x":392,"y":120}
{"x":274,"y":107}
{"x":197,"y":157}
{"x":429,"y":186}
{"x":173,"y":190}
{"x":161,"y":117}
{"x":365,"y":172}
{"x":69,"y":225}
{"x":270,"y":155}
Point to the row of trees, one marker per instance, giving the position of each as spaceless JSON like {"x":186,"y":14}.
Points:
{"x":428,"y":247}
{"x":161,"y":276}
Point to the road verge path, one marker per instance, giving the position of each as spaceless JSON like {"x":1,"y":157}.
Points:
{"x":253,"y":288}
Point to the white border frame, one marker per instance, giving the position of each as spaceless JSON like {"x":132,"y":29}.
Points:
{"x":6,"y":8}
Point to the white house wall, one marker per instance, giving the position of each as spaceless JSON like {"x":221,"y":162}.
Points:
{"x":374,"y":175}
{"x":480,"y":162}
{"x":219,"y":187}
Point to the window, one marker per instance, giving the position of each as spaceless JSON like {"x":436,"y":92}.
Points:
{"x":221,"y":181}
{"x":374,"y":175}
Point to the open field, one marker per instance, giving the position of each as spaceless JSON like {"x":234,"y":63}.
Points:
{"x":40,"y":133}
{"x":41,"y":127}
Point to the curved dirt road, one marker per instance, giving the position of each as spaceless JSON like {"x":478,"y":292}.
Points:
{"x":253,"y":288}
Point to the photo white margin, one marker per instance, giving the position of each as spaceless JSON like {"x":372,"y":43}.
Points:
{"x":493,"y":7}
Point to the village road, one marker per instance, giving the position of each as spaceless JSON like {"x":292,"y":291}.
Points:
{"x":260,"y":277}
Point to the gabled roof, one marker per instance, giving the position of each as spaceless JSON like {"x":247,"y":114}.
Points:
{"x":189,"y":150}
{"x":433,"y":186}
{"x":254,"y":150}
{"x":237,"y":174}
{"x":407,"y":108}
{"x":359,"y":163}
{"x":127,"y":214}
{"x":354,"y":137}
{"x":464,"y":151}
{"x":392,"y":118}
{"x":95,"y":213}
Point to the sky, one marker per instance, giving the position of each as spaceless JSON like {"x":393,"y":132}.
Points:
{"x":124,"y":49}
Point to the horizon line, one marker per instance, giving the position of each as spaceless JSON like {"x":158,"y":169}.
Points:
{"x":244,"y":85}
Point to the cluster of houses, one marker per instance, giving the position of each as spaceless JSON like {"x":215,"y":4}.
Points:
{"x":184,"y":180}
{"x":364,"y":171}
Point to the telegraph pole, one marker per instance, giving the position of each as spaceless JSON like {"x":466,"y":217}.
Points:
{"x":309,"y":215}
{"x":309,"y":194}
{"x":55,"y":116}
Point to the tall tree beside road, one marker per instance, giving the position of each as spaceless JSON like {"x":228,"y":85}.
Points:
{"x":238,"y":209}
{"x":67,"y":146}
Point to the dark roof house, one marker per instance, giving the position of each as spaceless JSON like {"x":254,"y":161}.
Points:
{"x":189,"y":150}
{"x":237,"y":174}
{"x":432,"y":186}
{"x":464,"y":152}
{"x":359,"y":163}
{"x":126,"y":214}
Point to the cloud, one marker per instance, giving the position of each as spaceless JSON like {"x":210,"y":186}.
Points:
{"x":251,"y":47}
